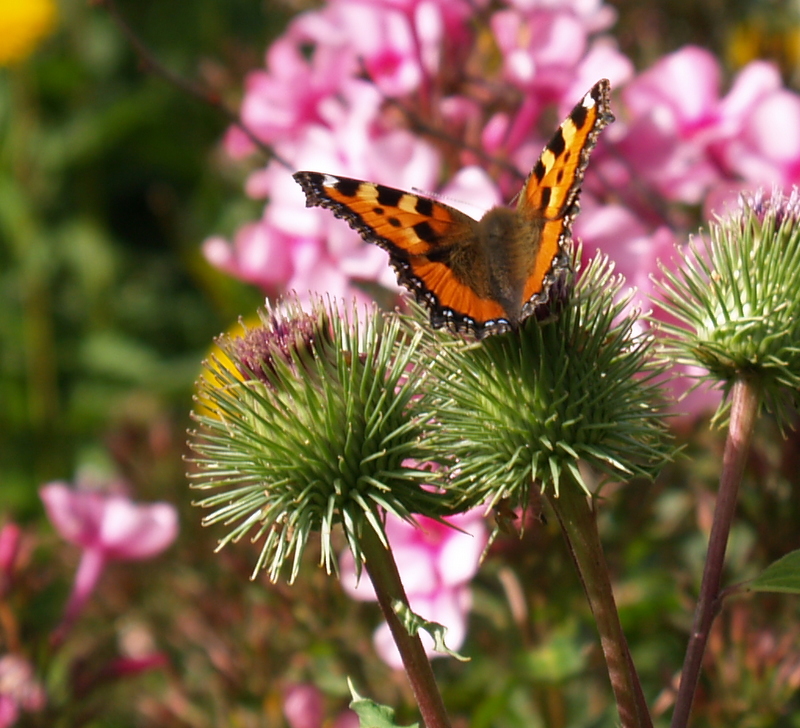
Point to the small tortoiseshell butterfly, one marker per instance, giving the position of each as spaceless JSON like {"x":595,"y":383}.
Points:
{"x":485,"y":275}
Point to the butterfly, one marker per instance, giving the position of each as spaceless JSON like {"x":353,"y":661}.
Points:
{"x":481,"y":276}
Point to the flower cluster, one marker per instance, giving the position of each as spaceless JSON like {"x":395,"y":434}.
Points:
{"x":412,"y":94}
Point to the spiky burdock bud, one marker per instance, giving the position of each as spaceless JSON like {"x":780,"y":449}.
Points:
{"x":311,"y":428}
{"x":736,"y":295}
{"x":527,"y":406}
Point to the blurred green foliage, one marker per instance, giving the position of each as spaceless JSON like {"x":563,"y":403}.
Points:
{"x":110,"y":178}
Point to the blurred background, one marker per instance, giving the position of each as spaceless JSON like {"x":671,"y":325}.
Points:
{"x":110,"y":180}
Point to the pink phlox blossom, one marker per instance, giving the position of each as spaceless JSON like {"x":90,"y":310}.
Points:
{"x":634,"y":247}
{"x":539,"y":51}
{"x":396,"y":46}
{"x":303,"y":706}
{"x":107,"y":526}
{"x":110,"y":523}
{"x":595,"y":15}
{"x":472,"y":191}
{"x":680,"y":138}
{"x":281,"y":100}
{"x":258,"y":255}
{"x":763,"y":127}
{"x":603,"y":59}
{"x":10,"y":538}
{"x":436,"y":563}
{"x":300,"y":249}
{"x":670,"y":115}
{"x":20,"y":690}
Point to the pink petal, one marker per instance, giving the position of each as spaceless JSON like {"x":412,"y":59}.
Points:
{"x":302,"y":706}
{"x":111,"y":523}
{"x":76,"y":515}
{"x":131,"y":531}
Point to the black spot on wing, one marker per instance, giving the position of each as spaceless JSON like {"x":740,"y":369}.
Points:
{"x":539,"y":170}
{"x":424,"y":206}
{"x":546,"y":193}
{"x":389,"y":197}
{"x":579,"y":115}
{"x":347,"y":187}
{"x":557,"y":144}
{"x":394,"y":222}
{"x":425,"y":232}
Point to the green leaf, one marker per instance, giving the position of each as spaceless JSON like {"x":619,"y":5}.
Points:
{"x":414,"y":623}
{"x":371,"y":714}
{"x":781,"y":576}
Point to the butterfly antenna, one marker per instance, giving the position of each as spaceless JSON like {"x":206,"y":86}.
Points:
{"x":453,"y":201}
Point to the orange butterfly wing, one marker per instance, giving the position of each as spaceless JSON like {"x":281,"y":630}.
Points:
{"x":421,"y":236}
{"x":437,"y":250}
{"x":552,"y":188}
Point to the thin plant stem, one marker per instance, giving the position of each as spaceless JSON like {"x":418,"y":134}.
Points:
{"x":382,"y":570}
{"x":744,"y":407}
{"x":579,"y":524}
{"x":153,"y":65}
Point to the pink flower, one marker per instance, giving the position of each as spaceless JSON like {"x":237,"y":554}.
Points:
{"x":436,"y":564}
{"x":763,"y":128}
{"x":541,"y":48}
{"x":595,"y":15}
{"x":282,"y":100}
{"x":673,"y":112}
{"x":106,"y":526}
{"x":302,"y":706}
{"x":634,"y":248}
{"x":293,"y":248}
{"x":10,"y":535}
{"x":19,"y":689}
{"x":258,"y":255}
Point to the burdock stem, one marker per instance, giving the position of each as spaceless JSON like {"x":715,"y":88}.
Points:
{"x":576,"y":514}
{"x":382,"y":570}
{"x":744,"y":407}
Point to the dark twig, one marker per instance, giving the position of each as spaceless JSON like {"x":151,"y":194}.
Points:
{"x":151,"y":64}
{"x":418,"y":124}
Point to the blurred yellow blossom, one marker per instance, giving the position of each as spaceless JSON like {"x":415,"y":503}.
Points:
{"x":218,"y":360}
{"x":23,"y":23}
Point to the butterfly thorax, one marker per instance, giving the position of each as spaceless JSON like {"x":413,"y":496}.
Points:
{"x":508,"y":244}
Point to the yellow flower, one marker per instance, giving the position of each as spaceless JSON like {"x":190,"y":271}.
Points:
{"x":219,"y":360}
{"x":23,"y":23}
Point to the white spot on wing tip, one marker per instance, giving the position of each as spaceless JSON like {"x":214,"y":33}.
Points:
{"x":329,"y":181}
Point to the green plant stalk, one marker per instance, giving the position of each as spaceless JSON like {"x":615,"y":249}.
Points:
{"x":382,"y":570}
{"x":744,"y":408}
{"x":579,"y":526}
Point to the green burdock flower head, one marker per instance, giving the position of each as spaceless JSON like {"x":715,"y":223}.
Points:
{"x":526,"y":407}
{"x":310,"y":426}
{"x":736,"y":296}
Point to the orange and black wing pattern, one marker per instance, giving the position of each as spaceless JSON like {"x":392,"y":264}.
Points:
{"x":423,"y":238}
{"x":457,"y":266}
{"x":551,"y":191}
